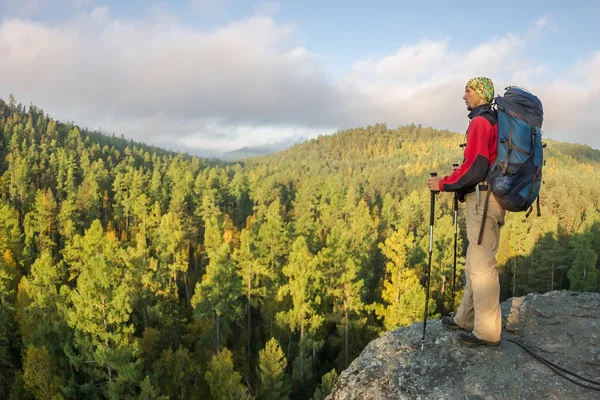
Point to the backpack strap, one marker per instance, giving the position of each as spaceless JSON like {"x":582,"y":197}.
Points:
{"x":529,"y":212}
{"x":485,"y":211}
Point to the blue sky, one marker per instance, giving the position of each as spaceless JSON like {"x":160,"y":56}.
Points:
{"x":212,"y":75}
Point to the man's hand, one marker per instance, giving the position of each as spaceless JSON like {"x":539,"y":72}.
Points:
{"x":434,"y":183}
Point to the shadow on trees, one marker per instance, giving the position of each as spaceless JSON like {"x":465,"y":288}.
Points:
{"x":558,"y":261}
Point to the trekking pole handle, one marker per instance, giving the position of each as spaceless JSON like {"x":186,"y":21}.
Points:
{"x":455,"y":199}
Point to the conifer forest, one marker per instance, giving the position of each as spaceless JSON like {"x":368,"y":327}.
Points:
{"x":132,"y":272}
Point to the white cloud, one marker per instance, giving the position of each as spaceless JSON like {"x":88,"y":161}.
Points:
{"x":248,"y":136}
{"x":102,"y":71}
{"x":251,"y":83}
{"x":82,"y":3}
{"x":541,"y":23}
{"x":100,"y":13}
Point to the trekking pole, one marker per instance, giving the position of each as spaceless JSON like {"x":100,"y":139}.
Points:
{"x":455,"y":242}
{"x":431,"y":214}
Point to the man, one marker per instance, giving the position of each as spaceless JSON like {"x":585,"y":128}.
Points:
{"x":479,"y":312}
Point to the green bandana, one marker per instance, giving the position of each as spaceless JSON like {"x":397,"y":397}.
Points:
{"x":483,"y":87}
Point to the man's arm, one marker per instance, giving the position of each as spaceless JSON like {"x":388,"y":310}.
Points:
{"x":477,"y":158}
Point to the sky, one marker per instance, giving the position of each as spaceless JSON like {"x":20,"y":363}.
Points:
{"x":209,"y":76}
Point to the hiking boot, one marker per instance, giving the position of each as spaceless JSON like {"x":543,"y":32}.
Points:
{"x":448,"y":322}
{"x":471,"y":340}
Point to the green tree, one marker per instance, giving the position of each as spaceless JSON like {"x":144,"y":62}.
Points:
{"x":327,"y":384}
{"x":39,"y":376}
{"x":10,"y":236}
{"x":19,"y":173}
{"x":403,"y":295}
{"x":170,"y":249}
{"x":176,"y":374}
{"x":443,"y":263}
{"x":217,"y":295}
{"x":224,"y":381}
{"x":583,"y":275}
{"x":148,"y":392}
{"x":271,"y":372}
{"x":253,"y":274}
{"x":303,"y":286}
{"x":99,"y":310}
{"x":41,"y":223}
{"x":343,"y":284}
{"x":7,"y":338}
{"x":273,"y":247}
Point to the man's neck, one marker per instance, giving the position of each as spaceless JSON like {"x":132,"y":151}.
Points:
{"x":478,"y":110}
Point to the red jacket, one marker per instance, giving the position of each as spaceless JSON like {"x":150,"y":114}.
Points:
{"x":480,"y":152}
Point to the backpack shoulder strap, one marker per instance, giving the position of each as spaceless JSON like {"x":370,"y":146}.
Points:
{"x":490,"y":115}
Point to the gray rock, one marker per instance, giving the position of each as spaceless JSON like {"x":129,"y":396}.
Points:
{"x":561,"y":326}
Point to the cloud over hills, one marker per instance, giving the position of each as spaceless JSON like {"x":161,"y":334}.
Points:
{"x":252,"y":83}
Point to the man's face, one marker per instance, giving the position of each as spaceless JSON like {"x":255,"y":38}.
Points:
{"x":471,"y":99}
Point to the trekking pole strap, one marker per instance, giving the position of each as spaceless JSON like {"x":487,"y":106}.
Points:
{"x":485,"y":211}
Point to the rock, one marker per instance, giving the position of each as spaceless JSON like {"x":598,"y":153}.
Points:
{"x":561,"y":326}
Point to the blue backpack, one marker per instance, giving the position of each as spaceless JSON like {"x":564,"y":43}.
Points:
{"x":516,"y":175}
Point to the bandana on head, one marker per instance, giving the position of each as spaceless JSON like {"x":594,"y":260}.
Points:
{"x":483,"y":87}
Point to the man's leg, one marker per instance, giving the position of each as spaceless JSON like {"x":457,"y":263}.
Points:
{"x":465,"y":315}
{"x":486,"y":299}
{"x":482,"y":270}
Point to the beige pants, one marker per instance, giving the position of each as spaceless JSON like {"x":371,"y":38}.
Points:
{"x":479,"y":310}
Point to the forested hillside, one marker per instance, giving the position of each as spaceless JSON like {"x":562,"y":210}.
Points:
{"x":130,"y":272}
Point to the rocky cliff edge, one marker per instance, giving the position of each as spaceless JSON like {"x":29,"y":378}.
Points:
{"x":561,"y":326}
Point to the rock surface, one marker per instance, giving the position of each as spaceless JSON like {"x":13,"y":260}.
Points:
{"x":563,"y":327}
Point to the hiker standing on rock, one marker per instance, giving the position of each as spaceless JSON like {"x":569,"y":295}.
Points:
{"x":479,"y":312}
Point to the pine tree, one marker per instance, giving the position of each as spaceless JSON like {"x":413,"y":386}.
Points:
{"x":217,"y":295}
{"x":327,"y":384}
{"x":176,"y":373}
{"x":40,"y":300}
{"x":273,"y":249}
{"x":224,"y":381}
{"x":343,"y":284}
{"x":7,"y":339}
{"x":99,"y":309}
{"x":253,"y":274}
{"x":403,"y":295}
{"x":443,"y":263}
{"x":271,"y":372}
{"x":583,"y":275}
{"x":10,"y":236}
{"x":148,"y":392}
{"x":39,"y":374}
{"x":170,"y":248}
{"x":19,"y":173}
{"x":304,"y":282}
{"x":41,"y":223}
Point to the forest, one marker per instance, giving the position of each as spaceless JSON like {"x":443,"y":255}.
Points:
{"x":132,"y":272}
